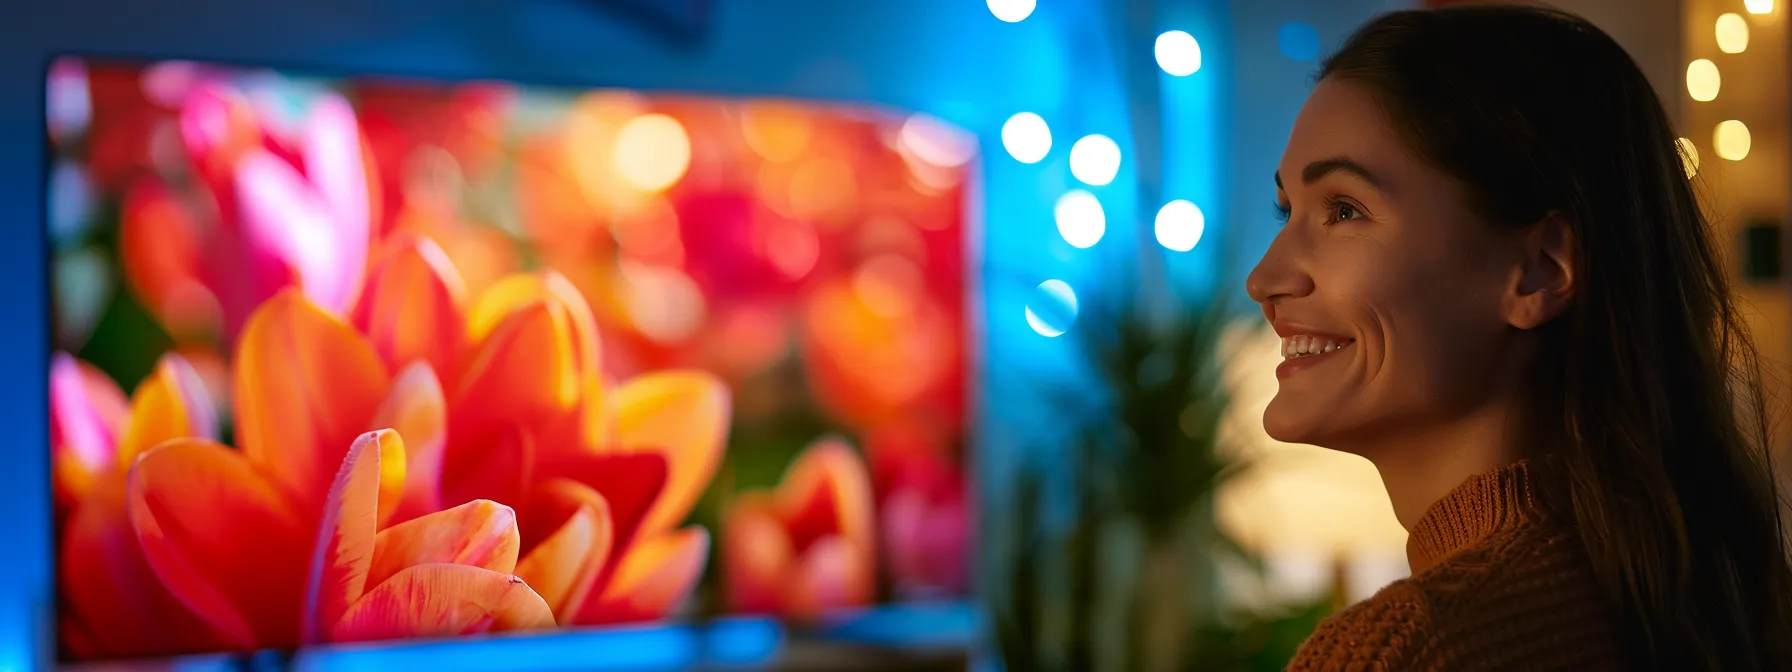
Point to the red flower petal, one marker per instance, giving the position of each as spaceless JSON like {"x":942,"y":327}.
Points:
{"x":223,"y":538}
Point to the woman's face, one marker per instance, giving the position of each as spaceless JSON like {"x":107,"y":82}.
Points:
{"x":1387,"y":290}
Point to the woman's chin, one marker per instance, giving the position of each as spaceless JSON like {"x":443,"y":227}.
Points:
{"x":1290,"y":422}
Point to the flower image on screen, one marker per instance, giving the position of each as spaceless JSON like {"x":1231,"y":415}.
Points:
{"x":357,"y":359}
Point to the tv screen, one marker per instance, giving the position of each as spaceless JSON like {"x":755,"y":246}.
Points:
{"x":346,"y":360}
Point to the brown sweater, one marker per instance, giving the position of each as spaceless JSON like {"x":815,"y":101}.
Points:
{"x":1499,"y":583}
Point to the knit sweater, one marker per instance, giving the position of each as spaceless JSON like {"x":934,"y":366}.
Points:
{"x":1499,"y":582}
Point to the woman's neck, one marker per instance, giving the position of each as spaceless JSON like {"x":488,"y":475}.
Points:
{"x":1422,"y":465}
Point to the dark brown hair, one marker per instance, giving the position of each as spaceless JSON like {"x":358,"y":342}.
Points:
{"x":1648,"y":390}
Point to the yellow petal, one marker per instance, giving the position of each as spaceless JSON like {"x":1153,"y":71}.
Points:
{"x":480,"y":533}
{"x":444,"y":600}
{"x":171,"y":403}
{"x":564,"y":567}
{"x":524,"y":372}
{"x":685,"y":414}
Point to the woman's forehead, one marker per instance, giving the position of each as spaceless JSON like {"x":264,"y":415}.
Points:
{"x":1342,"y":122}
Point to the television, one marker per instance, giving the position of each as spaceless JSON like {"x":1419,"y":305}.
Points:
{"x":370,"y":360}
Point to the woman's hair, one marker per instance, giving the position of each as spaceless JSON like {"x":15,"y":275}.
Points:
{"x":1648,"y":390}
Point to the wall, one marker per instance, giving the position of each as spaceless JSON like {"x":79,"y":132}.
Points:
{"x":1651,"y":31}
{"x":1753,"y":91}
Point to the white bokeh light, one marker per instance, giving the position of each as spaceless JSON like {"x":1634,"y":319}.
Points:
{"x":1027,"y":137}
{"x":1081,"y":220}
{"x":1180,"y":225}
{"x":1095,"y":160}
{"x":1758,"y":6}
{"x":1012,"y":11}
{"x":1178,"y":53}
{"x":1053,"y":309}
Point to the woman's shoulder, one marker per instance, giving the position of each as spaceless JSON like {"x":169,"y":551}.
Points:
{"x":1384,"y":632}
{"x":1519,"y":601}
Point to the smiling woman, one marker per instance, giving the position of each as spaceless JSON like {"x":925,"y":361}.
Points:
{"x":1494,"y":283}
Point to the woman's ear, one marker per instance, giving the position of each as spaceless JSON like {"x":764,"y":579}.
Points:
{"x":1543,"y":283}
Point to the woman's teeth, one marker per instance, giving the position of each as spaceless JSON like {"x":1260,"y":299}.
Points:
{"x":1307,"y":346}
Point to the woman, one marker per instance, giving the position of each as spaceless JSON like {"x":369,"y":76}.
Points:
{"x":1495,"y":283}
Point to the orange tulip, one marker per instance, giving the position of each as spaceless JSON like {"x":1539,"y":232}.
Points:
{"x":225,"y":535}
{"x":116,"y":605}
{"x":808,"y":548}
{"x":307,"y":533}
{"x":601,"y":479}
{"x":443,"y":574}
{"x":221,"y":535}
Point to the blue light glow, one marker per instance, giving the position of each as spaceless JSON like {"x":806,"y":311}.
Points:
{"x":939,"y":625}
{"x":1298,"y":41}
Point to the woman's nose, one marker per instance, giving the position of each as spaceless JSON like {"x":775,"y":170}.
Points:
{"x":1279,"y":274}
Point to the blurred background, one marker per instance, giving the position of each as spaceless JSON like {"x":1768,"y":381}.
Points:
{"x":996,"y":247}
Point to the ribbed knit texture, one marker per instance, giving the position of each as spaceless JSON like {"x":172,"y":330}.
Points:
{"x":1499,"y":583}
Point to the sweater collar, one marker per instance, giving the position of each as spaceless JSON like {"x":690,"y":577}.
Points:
{"x":1482,"y":505}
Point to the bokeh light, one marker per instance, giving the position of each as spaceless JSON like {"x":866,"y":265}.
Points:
{"x":936,"y":142}
{"x":1702,"y":80}
{"x":68,"y":101}
{"x":1732,"y":33}
{"x":652,"y":152}
{"x":1080,"y":219}
{"x":661,"y":302}
{"x":1689,"y":156}
{"x":1012,"y":11}
{"x":69,"y":203}
{"x":1298,"y":41}
{"x":1178,"y":53}
{"x":1731,"y":140}
{"x":1027,"y":137}
{"x":1180,"y":225}
{"x":1095,"y":160}
{"x":1053,"y":308}
{"x":777,"y":132}
{"x":1758,"y":6}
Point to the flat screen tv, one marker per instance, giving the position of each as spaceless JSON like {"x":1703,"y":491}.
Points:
{"x":359,"y":359}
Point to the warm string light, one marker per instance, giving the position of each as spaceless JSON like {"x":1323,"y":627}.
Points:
{"x":1732,"y":33}
{"x":1702,"y":80}
{"x":1731,"y":140}
{"x":1758,"y":6}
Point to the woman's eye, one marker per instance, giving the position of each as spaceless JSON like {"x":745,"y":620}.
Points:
{"x":1345,"y":212}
